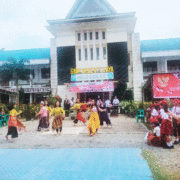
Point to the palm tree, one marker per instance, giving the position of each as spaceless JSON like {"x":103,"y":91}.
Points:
{"x":14,"y":70}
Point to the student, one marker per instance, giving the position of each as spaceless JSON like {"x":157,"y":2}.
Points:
{"x":94,"y":121}
{"x":103,"y":115}
{"x":108,"y":105}
{"x":166,"y":129}
{"x":154,"y":138}
{"x":175,"y":110}
{"x":14,"y":123}
{"x":115,"y":104}
{"x":48,"y":111}
{"x":59,"y":114}
{"x":79,"y":115}
{"x":43,"y":124}
{"x":154,"y":114}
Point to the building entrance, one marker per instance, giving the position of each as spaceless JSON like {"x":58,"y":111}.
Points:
{"x":93,"y":95}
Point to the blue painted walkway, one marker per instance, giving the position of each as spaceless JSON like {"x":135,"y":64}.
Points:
{"x":72,"y":164}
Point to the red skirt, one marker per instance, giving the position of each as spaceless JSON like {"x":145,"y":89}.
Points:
{"x":154,"y":119}
{"x":80,"y":117}
{"x":166,"y":127}
{"x":153,"y":140}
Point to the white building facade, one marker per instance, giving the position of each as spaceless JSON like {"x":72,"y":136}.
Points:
{"x":94,"y":39}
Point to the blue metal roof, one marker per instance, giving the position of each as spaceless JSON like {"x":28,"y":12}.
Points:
{"x":160,"y":44}
{"x":90,"y":8}
{"x":41,"y":53}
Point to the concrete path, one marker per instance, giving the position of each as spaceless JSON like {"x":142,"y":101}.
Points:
{"x":125,"y":133}
{"x":114,"y":153}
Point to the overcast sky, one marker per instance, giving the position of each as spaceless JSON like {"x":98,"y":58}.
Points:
{"x":22,"y":22}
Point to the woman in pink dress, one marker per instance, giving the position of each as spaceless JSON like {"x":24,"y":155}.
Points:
{"x":43,"y":118}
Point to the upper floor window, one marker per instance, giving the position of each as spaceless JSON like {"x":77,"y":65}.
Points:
{"x":79,"y":36}
{"x":173,"y":65}
{"x":45,"y":73}
{"x":103,"y":35}
{"x":85,"y":36}
{"x":91,"y":51}
{"x":149,"y":66}
{"x":79,"y":54}
{"x":97,"y":35}
{"x":97,"y":53}
{"x":104,"y":53}
{"x":86,"y":54}
{"x":91,"y":36}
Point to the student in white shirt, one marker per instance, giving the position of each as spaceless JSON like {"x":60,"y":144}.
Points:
{"x":154,"y":138}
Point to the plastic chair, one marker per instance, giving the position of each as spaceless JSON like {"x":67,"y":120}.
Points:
{"x":1,"y":120}
{"x":140,"y":114}
{"x":6,"y":118}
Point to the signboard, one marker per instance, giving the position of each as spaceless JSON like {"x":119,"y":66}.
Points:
{"x":33,"y":90}
{"x":92,"y":70}
{"x":87,"y":77}
{"x":166,"y":85}
{"x":105,"y":86}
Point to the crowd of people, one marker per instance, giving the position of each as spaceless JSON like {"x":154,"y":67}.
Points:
{"x":165,"y":123}
{"x":95,"y":111}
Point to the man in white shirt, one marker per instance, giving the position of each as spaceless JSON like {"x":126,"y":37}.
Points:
{"x":115,"y":104}
{"x":108,"y":105}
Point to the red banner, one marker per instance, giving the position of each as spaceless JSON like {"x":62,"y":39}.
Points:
{"x":166,"y":85}
{"x":106,"y":86}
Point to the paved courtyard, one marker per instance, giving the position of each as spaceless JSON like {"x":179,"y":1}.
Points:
{"x":114,"y":153}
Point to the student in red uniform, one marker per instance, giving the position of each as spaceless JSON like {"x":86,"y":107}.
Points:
{"x":166,"y":129}
{"x":154,"y":114}
{"x":154,"y":137}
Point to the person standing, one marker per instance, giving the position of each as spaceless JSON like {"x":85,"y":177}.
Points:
{"x":59,"y":114}
{"x":48,"y":111}
{"x":66,"y":104}
{"x":115,"y":104}
{"x":175,"y":110}
{"x":103,"y":115}
{"x":14,"y":123}
{"x":43,"y":117}
{"x":108,"y":105}
{"x":79,"y":115}
{"x":94,"y":121}
{"x":72,"y":102}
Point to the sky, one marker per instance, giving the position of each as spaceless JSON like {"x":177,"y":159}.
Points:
{"x":23,"y":22}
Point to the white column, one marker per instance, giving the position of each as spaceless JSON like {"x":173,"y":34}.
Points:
{"x":94,"y":49}
{"x":100,"y":47}
{"x":88,"y":49}
{"x":31,"y":98}
{"x":54,"y":68}
{"x":82,"y":49}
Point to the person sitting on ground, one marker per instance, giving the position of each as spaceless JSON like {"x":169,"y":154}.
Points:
{"x":154,"y":114}
{"x":154,"y":137}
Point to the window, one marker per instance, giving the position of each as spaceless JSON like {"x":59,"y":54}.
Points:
{"x":86,"y":55}
{"x":149,"y":67}
{"x":85,"y":36}
{"x":45,"y":73}
{"x":79,"y":36}
{"x":91,"y":53}
{"x":103,"y":35}
{"x":91,"y":36}
{"x":173,"y":65}
{"x":79,"y":53}
{"x":97,"y":35}
{"x":97,"y":53}
{"x":104,"y":52}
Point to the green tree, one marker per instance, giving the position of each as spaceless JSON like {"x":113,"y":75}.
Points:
{"x":121,"y":91}
{"x":14,"y":70}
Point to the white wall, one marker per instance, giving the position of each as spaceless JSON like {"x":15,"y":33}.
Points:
{"x":137,"y":67}
{"x":54,"y":75}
